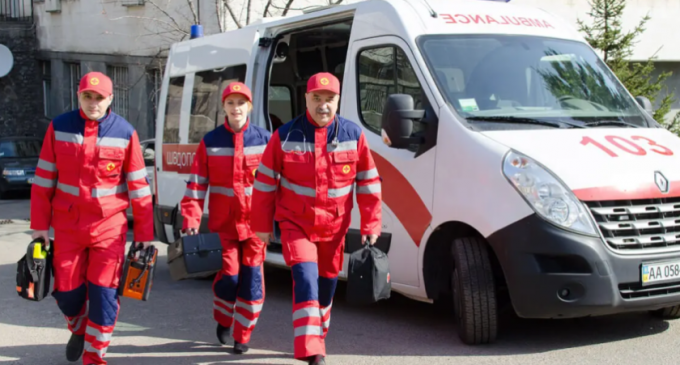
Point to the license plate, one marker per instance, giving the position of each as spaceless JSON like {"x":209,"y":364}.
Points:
{"x":660,"y":272}
{"x":30,"y":180}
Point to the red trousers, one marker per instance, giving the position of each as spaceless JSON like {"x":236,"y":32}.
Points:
{"x":89,"y":272}
{"x":315,"y":267}
{"x":239,"y":288}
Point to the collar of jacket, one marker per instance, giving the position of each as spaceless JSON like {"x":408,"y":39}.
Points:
{"x":102,"y":119}
{"x":228,"y":127}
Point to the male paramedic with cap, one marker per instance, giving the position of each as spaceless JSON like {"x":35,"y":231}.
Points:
{"x":90,"y":169}
{"x":306,"y":182}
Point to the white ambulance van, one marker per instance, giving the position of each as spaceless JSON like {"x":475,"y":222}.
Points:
{"x":517,"y":170}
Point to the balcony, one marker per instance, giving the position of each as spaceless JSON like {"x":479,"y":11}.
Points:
{"x":19,"y":11}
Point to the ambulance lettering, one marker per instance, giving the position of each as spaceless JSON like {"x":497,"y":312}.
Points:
{"x":178,"y":158}
{"x":488,"y":19}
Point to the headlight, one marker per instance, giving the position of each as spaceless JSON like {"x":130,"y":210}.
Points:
{"x":546,"y":195}
{"x":8,"y":172}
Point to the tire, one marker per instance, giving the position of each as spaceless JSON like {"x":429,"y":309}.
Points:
{"x":474,"y":292}
{"x":667,"y":313}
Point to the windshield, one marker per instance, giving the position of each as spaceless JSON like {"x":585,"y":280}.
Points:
{"x":527,"y":77}
{"x":20,"y":148}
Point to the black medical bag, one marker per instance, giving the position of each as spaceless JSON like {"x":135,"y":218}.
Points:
{"x":34,"y":271}
{"x":368,"y":276}
{"x":195,"y":256}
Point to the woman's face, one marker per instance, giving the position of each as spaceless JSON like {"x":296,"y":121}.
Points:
{"x":236,"y":107}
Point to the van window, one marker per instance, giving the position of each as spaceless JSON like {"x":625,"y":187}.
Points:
{"x":280,"y":105}
{"x":515,"y":77}
{"x":206,"y":99}
{"x":173,"y":106}
{"x":385,"y":71}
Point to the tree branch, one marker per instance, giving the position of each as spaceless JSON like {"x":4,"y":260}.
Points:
{"x":193,"y":11}
{"x":231,"y":12}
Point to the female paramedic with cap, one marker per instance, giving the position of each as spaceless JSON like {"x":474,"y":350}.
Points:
{"x":90,"y":170}
{"x":226,"y":160}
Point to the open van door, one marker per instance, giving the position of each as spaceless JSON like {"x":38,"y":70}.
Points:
{"x":190,"y":106}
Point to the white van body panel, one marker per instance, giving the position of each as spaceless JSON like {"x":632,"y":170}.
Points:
{"x":461,"y":178}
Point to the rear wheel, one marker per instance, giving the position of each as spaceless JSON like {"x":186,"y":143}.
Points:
{"x":667,"y":313}
{"x":474,"y":292}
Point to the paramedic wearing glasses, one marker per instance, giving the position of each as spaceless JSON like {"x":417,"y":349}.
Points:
{"x":306,"y":182}
{"x":90,"y":169}
{"x":226,"y":160}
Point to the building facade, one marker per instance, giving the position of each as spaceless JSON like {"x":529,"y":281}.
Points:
{"x":127,"y":39}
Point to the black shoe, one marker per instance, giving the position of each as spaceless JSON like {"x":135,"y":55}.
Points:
{"x":75,"y":347}
{"x":223,"y":334}
{"x":317,"y":360}
{"x":240,"y":348}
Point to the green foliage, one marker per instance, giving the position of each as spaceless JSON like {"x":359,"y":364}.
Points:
{"x":606,"y":35}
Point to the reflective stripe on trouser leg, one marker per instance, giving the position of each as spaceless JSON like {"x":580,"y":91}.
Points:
{"x":225,"y":284}
{"x":326,"y":292}
{"x":307,"y":326}
{"x":73,"y":304}
{"x":249,"y":302}
{"x":103,"y":314}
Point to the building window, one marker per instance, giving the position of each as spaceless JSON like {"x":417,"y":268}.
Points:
{"x":382,"y":72}
{"x":74,"y":77}
{"x":206,"y":99}
{"x":46,"y":71}
{"x":173,"y":107}
{"x":119,"y":77}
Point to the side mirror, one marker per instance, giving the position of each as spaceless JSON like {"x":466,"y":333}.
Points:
{"x":397,"y":120}
{"x":645,"y":104}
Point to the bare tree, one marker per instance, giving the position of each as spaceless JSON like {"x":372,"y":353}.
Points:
{"x":169,"y":21}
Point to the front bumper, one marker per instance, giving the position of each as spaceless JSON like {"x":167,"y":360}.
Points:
{"x":553,"y":273}
{"x":17,"y":182}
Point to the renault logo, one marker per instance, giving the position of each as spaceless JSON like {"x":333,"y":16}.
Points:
{"x":661,"y":182}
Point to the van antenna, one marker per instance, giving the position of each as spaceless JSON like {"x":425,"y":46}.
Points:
{"x":432,"y":12}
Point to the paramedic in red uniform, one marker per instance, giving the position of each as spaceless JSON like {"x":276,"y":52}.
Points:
{"x":90,"y":169}
{"x":226,"y":160}
{"x":306,"y":182}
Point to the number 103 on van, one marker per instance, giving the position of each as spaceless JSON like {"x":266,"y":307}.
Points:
{"x":629,"y":146}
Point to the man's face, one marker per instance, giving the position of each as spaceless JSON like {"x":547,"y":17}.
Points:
{"x":322,"y":105}
{"x":94,"y":105}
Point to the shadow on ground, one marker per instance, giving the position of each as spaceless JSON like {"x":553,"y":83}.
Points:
{"x":179,"y":315}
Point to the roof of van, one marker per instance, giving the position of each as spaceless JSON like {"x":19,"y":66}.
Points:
{"x":452,"y":16}
{"x":416,"y":17}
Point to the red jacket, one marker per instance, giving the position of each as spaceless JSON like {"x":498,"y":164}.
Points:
{"x":88,"y":173}
{"x":308,"y":183}
{"x":225,"y":161}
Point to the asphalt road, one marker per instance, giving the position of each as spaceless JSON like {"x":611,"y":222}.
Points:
{"x":176,"y":327}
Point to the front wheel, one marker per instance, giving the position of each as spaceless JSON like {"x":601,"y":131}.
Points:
{"x":667,"y":313}
{"x":474,"y":292}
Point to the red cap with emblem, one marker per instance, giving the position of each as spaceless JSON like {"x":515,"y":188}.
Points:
{"x":237,"y":88}
{"x":323,"y":81}
{"x":96,"y":82}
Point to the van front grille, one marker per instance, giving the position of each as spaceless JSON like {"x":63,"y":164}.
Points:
{"x":639,"y":226}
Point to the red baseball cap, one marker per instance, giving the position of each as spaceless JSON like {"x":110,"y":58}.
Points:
{"x":323,"y":81}
{"x":96,"y":82}
{"x":237,"y":88}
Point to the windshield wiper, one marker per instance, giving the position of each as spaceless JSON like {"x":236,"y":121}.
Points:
{"x":509,"y":119}
{"x":611,"y":122}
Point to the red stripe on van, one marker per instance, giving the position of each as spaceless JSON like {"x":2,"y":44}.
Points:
{"x":641,"y":191}
{"x":403,"y":199}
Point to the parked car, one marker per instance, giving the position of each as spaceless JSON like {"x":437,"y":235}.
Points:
{"x":18,"y":160}
{"x":149,"y":153}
